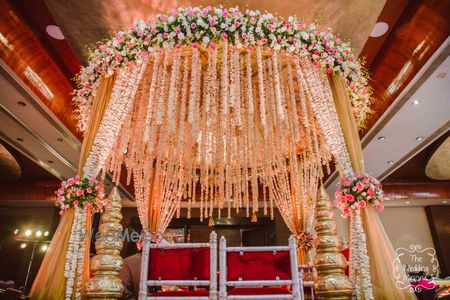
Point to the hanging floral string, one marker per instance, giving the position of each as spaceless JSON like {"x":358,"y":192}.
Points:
{"x":206,"y":27}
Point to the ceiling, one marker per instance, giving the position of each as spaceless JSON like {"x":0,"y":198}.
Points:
{"x":395,"y":54}
{"x":85,"y":22}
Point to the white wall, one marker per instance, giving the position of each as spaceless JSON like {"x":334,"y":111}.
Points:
{"x":405,"y":226}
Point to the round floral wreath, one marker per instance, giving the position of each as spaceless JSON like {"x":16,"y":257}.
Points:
{"x":206,"y":28}
{"x":80,"y":192}
{"x":358,"y":192}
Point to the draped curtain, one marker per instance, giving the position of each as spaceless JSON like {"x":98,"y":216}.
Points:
{"x":380,"y":250}
{"x":50,"y":282}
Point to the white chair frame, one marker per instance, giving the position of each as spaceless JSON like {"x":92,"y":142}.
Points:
{"x":212,"y":282}
{"x":312,"y":275}
{"x":295,"y":280}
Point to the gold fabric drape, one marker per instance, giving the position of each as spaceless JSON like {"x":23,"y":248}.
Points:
{"x":380,"y":250}
{"x":50,"y":282}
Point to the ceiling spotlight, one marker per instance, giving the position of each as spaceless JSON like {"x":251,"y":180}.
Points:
{"x":38,"y":233}
{"x":19,"y":139}
{"x":16,"y":231}
{"x":55,"y":32}
{"x":390,"y":162}
{"x":441,"y":75}
{"x":407,"y":202}
{"x":28,"y":232}
{"x":50,"y":161}
{"x":445,"y":201}
{"x":60,"y":140}
{"x":379,"y":29}
{"x":44,"y":248}
{"x":419,"y":138}
{"x":45,"y":233}
{"x":23,"y":245}
{"x":381,"y":138}
{"x":416,"y":102}
{"x":21,"y":103}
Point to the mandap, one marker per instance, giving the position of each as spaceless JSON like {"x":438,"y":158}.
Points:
{"x":228,"y":110}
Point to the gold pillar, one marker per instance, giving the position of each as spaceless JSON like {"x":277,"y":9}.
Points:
{"x":107,"y":263}
{"x":331,"y":282}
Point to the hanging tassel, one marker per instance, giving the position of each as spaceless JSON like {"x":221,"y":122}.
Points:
{"x":254,"y":218}
{"x":211,"y":221}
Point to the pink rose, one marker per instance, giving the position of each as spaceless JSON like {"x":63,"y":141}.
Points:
{"x":193,"y":25}
{"x":380,"y":208}
{"x":338,"y":194}
{"x":94,"y":180}
{"x":263,"y":41}
{"x":225,"y":36}
{"x":370,"y":191}
{"x":70,"y":182}
{"x":367,"y":180}
{"x":376,"y":203}
{"x":118,"y":58}
{"x":63,"y":184}
{"x":212,"y":22}
{"x":350,"y":198}
{"x":165,"y":35}
{"x":270,"y":27}
{"x":89,"y":190}
{"x":69,"y":192}
{"x":212,"y":46}
{"x":153,"y":31}
{"x":358,"y":175}
{"x":60,"y":191}
{"x":75,"y":203}
{"x":61,"y":212}
{"x":79,"y":193}
{"x":346,"y":183}
{"x":343,"y":201}
{"x":362,"y":203}
{"x":359,"y":186}
{"x":89,"y":206}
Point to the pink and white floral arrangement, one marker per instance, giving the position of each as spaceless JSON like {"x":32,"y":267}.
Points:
{"x":82,"y":193}
{"x":358,"y":192}
{"x":206,"y":28}
{"x":305,"y":240}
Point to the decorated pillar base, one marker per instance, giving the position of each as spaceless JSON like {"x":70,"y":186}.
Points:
{"x":331,"y":282}
{"x":106,"y":265}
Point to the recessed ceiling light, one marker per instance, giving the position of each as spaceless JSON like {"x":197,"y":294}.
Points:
{"x":419,"y":138}
{"x":390,"y":162}
{"x":381,"y":138}
{"x":445,"y":201}
{"x":407,"y":202}
{"x":416,"y":102}
{"x":50,"y":161}
{"x":379,"y":29}
{"x":20,"y":103}
{"x":55,"y":32}
{"x":441,"y":75}
{"x":20,"y":139}
{"x":60,"y":140}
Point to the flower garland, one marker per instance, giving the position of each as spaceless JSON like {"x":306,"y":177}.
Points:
{"x":82,"y":194}
{"x":357,"y":192}
{"x":207,"y":28}
{"x":305,"y":240}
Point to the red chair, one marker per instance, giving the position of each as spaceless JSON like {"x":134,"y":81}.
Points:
{"x":193,"y":264}
{"x":253,"y":271}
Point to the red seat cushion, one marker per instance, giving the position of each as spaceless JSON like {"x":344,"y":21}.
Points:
{"x":199,"y":292}
{"x":263,"y":265}
{"x":179,"y":264}
{"x":260,"y":291}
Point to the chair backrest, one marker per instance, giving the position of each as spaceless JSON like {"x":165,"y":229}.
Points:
{"x":187,"y":264}
{"x":256,"y":266}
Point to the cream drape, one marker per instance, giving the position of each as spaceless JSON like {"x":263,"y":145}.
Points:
{"x":50,"y":282}
{"x":380,"y":250}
